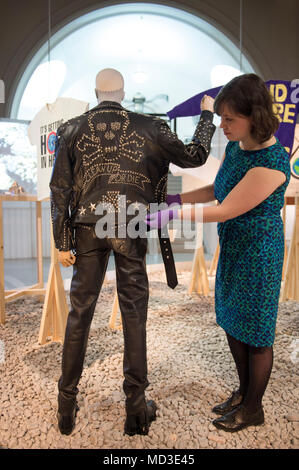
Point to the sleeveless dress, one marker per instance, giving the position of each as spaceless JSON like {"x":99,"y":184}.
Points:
{"x":249,"y":271}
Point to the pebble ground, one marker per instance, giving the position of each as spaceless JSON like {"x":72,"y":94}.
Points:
{"x":190,"y":370}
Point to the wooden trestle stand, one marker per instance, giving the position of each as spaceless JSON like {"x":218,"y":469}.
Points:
{"x":114,"y":314}
{"x":55,"y":310}
{"x":214,"y":262}
{"x":36,"y":289}
{"x":199,"y":278}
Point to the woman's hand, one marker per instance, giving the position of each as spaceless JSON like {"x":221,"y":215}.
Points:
{"x":207,"y":103}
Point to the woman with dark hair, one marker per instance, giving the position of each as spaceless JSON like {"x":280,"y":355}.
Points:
{"x":250,"y":187}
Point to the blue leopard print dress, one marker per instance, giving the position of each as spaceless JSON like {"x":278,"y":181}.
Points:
{"x":249,"y":270}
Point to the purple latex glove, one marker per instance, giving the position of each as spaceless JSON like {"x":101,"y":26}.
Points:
{"x":173,"y":199}
{"x":161,"y":218}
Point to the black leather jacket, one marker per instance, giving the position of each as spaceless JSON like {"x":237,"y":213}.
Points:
{"x":110,"y":151}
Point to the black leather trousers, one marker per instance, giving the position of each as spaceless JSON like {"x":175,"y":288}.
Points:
{"x":89,"y":270}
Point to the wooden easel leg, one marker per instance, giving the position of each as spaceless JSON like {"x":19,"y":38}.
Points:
{"x":2,"y":285}
{"x":46,"y":321}
{"x":285,"y":244}
{"x":39,"y":246}
{"x":296,"y":276}
{"x":214,"y":261}
{"x":113,"y":317}
{"x":55,"y":309}
{"x":204,"y":276}
{"x":291,"y":283}
{"x":194,"y":272}
{"x":199,"y":280}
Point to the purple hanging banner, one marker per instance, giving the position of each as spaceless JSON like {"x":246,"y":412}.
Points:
{"x":286,"y":99}
{"x":191,"y":107}
{"x":286,"y":106}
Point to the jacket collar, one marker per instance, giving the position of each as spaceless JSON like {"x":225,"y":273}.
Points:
{"x":109,"y":104}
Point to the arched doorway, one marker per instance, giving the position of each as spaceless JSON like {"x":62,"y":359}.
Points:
{"x":160,"y":50}
{"x":165,"y":54}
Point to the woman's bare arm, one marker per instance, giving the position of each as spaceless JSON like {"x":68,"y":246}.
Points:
{"x":205,"y":194}
{"x":256,"y":186}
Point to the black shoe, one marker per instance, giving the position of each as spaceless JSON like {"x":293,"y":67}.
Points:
{"x":234,"y":400}
{"x":140,"y":423}
{"x":238,"y":419}
{"x":66,"y":422}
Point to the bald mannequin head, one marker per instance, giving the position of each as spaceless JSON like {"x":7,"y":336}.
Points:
{"x":109,"y":86}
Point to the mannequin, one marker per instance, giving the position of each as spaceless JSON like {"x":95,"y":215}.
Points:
{"x":97,"y":156}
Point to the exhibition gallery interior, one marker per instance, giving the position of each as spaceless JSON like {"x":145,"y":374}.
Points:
{"x":188,"y":111}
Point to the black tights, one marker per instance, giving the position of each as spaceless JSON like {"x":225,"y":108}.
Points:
{"x":254,"y":367}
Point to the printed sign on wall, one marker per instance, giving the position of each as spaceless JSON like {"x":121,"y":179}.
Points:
{"x":42,"y":134}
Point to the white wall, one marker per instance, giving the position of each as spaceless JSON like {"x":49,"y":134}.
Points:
{"x":19,"y":229}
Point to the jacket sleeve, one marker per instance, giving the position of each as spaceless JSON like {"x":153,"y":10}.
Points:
{"x":197,"y":151}
{"x":60,"y":195}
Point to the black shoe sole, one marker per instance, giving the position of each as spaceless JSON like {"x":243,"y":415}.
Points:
{"x":239,"y":428}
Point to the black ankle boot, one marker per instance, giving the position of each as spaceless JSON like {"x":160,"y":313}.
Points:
{"x":234,"y":400}
{"x":140,"y":423}
{"x":67,"y":421}
{"x":238,"y":419}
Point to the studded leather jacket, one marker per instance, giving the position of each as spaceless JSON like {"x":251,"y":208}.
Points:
{"x":109,"y":152}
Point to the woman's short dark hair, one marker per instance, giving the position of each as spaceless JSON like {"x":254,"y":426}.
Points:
{"x":249,"y":96}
